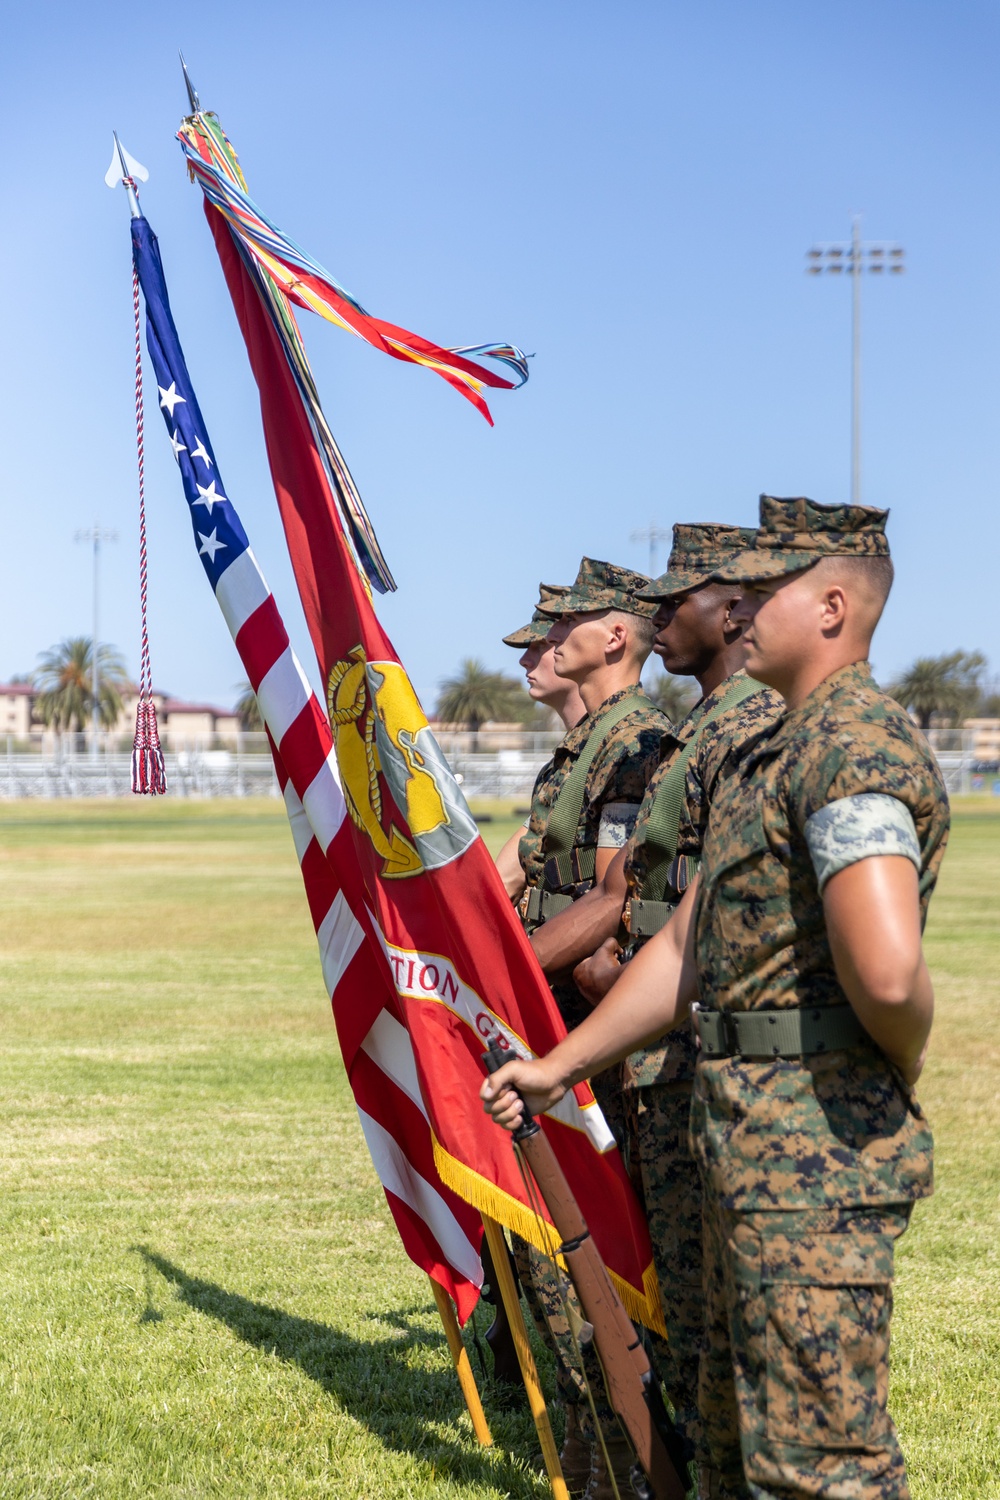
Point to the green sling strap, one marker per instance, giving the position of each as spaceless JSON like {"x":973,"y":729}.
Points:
{"x":663,"y":827}
{"x":564,"y":817}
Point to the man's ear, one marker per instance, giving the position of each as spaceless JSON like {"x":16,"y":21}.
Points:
{"x":833,"y":609}
{"x":618,"y":636}
{"x":731,"y":629}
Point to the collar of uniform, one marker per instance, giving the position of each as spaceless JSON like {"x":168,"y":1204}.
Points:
{"x":679,"y":734}
{"x":578,"y":736}
{"x":855,"y":674}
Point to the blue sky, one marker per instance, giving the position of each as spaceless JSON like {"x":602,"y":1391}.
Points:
{"x":627,"y":191}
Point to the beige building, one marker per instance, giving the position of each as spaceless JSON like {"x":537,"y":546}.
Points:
{"x":182,"y":726}
{"x":190,"y":726}
{"x":985,"y":734}
{"x":16,"y":701}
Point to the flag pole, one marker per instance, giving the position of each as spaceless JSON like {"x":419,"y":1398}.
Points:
{"x":148,"y":771}
{"x":446,"y":1312}
{"x":463,"y":1367}
{"x":525,"y":1358}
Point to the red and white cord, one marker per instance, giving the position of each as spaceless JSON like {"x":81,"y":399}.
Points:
{"x":148,"y":774}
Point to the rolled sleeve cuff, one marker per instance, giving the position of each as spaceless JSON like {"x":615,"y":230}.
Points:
{"x":617,"y":823}
{"x":864,"y":826}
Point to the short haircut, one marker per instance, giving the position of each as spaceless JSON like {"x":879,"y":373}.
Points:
{"x":873,"y":576}
{"x":641,"y":631}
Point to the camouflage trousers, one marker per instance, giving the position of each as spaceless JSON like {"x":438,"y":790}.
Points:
{"x":795,"y":1368}
{"x":667,"y":1180}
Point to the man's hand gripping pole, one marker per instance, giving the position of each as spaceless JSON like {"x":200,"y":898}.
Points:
{"x":632,"y":1388}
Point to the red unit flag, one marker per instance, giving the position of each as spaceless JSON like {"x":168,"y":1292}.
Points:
{"x":418,"y":888}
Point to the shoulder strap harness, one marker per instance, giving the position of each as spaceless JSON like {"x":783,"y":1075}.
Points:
{"x":564,"y":863}
{"x":647,"y":911}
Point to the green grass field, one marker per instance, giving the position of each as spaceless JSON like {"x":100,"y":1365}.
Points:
{"x":201,"y":1290}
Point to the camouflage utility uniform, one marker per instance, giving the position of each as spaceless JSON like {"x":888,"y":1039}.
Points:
{"x":658,"y":1080}
{"x":811,"y":1146}
{"x":624,"y":757}
{"x":661,"y":860}
{"x":617,"y":777}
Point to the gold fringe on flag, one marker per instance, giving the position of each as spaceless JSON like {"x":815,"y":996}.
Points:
{"x":642,"y":1306}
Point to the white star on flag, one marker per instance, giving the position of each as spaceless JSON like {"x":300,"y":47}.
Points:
{"x":210,"y":545}
{"x":176,"y":443}
{"x":207,"y":497}
{"x":170,"y":398}
{"x":201,"y":452}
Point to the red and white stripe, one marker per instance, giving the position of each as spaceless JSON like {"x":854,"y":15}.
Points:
{"x":440,"y":1232}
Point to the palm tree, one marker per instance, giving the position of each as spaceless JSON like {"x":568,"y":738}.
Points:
{"x":247,"y":710}
{"x":65,"y":683}
{"x":476,"y":694}
{"x":945,"y":686}
{"x":675,"y":695}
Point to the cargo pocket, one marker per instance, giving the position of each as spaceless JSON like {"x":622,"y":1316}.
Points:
{"x":828,"y":1299}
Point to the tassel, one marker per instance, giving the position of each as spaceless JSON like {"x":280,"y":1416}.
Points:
{"x":148,"y":774}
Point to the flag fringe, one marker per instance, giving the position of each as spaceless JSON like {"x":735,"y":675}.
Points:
{"x":642,"y":1306}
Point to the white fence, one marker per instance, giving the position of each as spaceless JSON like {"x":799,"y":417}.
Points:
{"x":105,"y":770}
{"x":491,"y":764}
{"x":956,"y":756}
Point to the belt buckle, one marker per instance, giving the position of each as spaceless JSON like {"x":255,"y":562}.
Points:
{"x":731,"y":1033}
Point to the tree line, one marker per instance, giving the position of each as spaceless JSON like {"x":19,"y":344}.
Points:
{"x":63,"y":683}
{"x":936,"y":690}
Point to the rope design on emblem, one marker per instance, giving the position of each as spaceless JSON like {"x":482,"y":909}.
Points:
{"x":148,"y":774}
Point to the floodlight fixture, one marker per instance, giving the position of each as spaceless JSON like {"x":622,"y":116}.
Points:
{"x":854,"y":257}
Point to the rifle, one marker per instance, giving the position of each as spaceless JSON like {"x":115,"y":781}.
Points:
{"x":632,"y":1387}
{"x":506,"y":1370}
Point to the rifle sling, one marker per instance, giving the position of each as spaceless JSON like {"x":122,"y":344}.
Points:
{"x":663,"y":826}
{"x":564,"y":816}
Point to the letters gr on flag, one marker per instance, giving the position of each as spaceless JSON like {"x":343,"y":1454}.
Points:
{"x":440,"y":1232}
{"x":409,"y":850}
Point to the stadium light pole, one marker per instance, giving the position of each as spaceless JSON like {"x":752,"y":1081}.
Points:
{"x":652,"y":534}
{"x":855,"y":256}
{"x":96,"y":535}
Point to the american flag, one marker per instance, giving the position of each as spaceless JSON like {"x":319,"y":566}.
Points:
{"x":440,"y":1232}
{"x":424,"y":958}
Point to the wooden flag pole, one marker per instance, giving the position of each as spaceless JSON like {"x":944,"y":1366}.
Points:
{"x":525,"y":1358}
{"x":460,"y":1359}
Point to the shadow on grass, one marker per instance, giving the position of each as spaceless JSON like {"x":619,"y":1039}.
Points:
{"x":403,"y":1406}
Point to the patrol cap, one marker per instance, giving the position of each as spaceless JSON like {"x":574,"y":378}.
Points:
{"x":539,"y":625}
{"x":795,"y":534}
{"x":600,"y":585}
{"x":698,"y":554}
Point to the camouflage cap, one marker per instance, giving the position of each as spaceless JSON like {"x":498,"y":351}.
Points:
{"x":600,"y":585}
{"x":698,"y":554}
{"x":539,"y":625}
{"x":795,"y":534}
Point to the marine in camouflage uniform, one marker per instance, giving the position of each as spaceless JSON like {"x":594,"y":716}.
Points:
{"x":812,"y":1147}
{"x":622,"y":754}
{"x":620,"y":741}
{"x":661,"y":860}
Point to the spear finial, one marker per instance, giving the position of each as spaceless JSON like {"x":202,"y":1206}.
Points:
{"x":193,"y":99}
{"x":126,"y":170}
